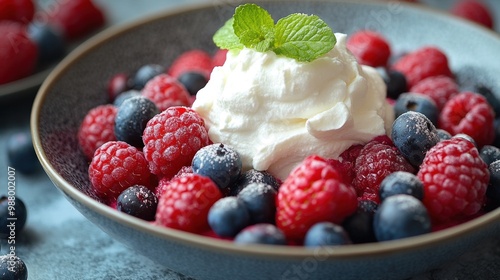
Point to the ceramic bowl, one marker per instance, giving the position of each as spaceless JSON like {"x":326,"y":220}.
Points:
{"x":78,"y":84}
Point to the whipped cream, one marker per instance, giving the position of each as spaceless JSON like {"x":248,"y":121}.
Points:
{"x":275,"y":111}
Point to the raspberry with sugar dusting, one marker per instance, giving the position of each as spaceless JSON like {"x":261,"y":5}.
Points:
{"x":165,"y":91}
{"x":439,"y":88}
{"x":97,"y":128}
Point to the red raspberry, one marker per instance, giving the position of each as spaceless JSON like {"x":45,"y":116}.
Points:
{"x":471,"y":114}
{"x":18,"y":54}
{"x":76,"y":18}
{"x":476,"y":11}
{"x":118,"y":84}
{"x":97,"y":128}
{"x":219,"y":58}
{"x":172,"y":138}
{"x":423,"y":63}
{"x":186,"y":201}
{"x":369,"y":48}
{"x":116,"y":166}
{"x":313,"y":192}
{"x":376,"y":160}
{"x":17,"y":10}
{"x":439,"y":88}
{"x":191,"y":61}
{"x":163,"y":183}
{"x":165,"y":91}
{"x":345,"y":163}
{"x":455,"y":179}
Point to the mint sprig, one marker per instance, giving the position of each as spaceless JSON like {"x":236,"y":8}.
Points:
{"x":299,"y":36}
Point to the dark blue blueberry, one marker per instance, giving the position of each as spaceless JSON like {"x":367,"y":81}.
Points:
{"x":325,"y":234}
{"x":443,"y":134}
{"x":491,"y":97}
{"x":260,"y":200}
{"x":12,"y":268}
{"x":395,"y":81}
{"x":131,"y":119}
{"x":416,"y":102}
{"x":414,"y":134}
{"x":124,"y":96}
{"x":489,"y":154}
{"x":11,"y":207}
{"x":400,"y":216}
{"x":359,"y":226}
{"x":193,"y":81}
{"x":228,"y":216}
{"x":496,"y":141}
{"x":261,"y":234}
{"x":254,"y":176}
{"x":138,"y":201}
{"x":20,"y":152}
{"x":401,"y":182}
{"x":220,"y":163}
{"x":466,"y":137}
{"x":146,"y":73}
{"x":493,"y":191}
{"x":51,"y":44}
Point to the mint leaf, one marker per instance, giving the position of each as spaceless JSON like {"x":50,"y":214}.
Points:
{"x":254,"y":27}
{"x":225,"y":38}
{"x":303,"y":37}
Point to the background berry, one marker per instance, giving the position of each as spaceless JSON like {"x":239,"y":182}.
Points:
{"x":261,"y":234}
{"x":326,"y":234}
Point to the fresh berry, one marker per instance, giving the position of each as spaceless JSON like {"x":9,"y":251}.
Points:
{"x":116,"y":166}
{"x":118,"y":84}
{"x":369,"y":48}
{"x":438,"y":88}
{"x":18,"y":53}
{"x":414,"y":134}
{"x":345,"y":163}
{"x":131,"y":119}
{"x":261,"y":234}
{"x":254,"y":176}
{"x":185,"y":203}
{"x":124,"y":96}
{"x":473,"y":10}
{"x":489,"y":154}
{"x":21,"y":11}
{"x":97,"y":128}
{"x":465,"y":113}
{"x":400,"y":216}
{"x":443,"y":134}
{"x":163,"y":182}
{"x":191,"y":61}
{"x":139,"y":202}
{"x":326,"y":234}
{"x":401,"y":182}
{"x":228,"y":216}
{"x":455,"y":179}
{"x":12,"y":268}
{"x":76,"y":18}
{"x":193,"y":81}
{"x":145,"y":73}
{"x":491,"y":97}
{"x":493,"y":190}
{"x":260,"y":200}
{"x":423,"y":63}
{"x":220,"y":163}
{"x":51,"y":44}
{"x":359,"y":226}
{"x":7,"y":216}
{"x":313,"y":192}
{"x":395,"y":82}
{"x":416,"y":102}
{"x":172,"y":138}
{"x":20,"y":152}
{"x":165,"y":91}
{"x":219,"y":57}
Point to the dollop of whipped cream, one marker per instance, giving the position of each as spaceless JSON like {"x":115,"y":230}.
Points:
{"x":275,"y":111}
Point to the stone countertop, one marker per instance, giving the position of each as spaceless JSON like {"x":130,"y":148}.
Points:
{"x":59,"y":243}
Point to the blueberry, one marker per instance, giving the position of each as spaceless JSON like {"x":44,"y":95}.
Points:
{"x":261,"y":234}
{"x":193,"y":81}
{"x":220,"y":163}
{"x":466,"y":137}
{"x":146,"y":73}
{"x":254,"y":176}
{"x":359,"y":226}
{"x":18,"y":212}
{"x":228,"y":216}
{"x":124,"y":96}
{"x":138,"y":201}
{"x":416,"y":102}
{"x":325,"y":234}
{"x":259,"y":199}
{"x":131,"y":119}
{"x":491,"y":97}
{"x":12,"y":268}
{"x":401,"y":182}
{"x":489,"y":154}
{"x":414,"y":134}
{"x":395,"y":81}
{"x":20,"y":152}
{"x":443,"y":134}
{"x":496,"y":141}
{"x":51,"y":44}
{"x":400,"y":216}
{"x":493,"y":190}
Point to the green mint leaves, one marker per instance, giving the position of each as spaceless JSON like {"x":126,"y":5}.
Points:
{"x":299,"y":36}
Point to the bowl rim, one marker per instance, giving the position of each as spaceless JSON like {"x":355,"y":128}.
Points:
{"x":223,"y":246}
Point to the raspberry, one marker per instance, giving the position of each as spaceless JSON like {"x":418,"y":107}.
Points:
{"x":313,"y":192}
{"x":423,"y":63}
{"x":375,"y":161}
{"x":185,"y":203}
{"x":163,"y":183}
{"x":455,"y":179}
{"x":219,"y":58}
{"x":116,"y":166}
{"x":191,"y":61}
{"x":97,"y":128}
{"x":439,"y":88}
{"x":18,"y":53}
{"x":473,"y":10}
{"x":172,"y":138}
{"x":466,"y":113}
{"x":369,"y":48}
{"x":17,"y":10}
{"x":165,"y":91}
